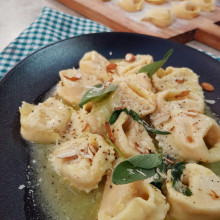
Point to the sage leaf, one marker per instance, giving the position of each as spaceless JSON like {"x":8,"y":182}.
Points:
{"x":176,"y":173}
{"x":125,"y":172}
{"x":114,"y":116}
{"x":152,"y":68}
{"x":146,"y":161}
{"x":147,"y":127}
{"x":96,"y":93}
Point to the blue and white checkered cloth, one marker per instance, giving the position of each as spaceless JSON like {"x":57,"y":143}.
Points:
{"x":49,"y":27}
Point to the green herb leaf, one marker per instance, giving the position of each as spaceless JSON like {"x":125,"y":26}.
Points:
{"x":152,"y":68}
{"x":148,"y":128}
{"x":146,"y":161}
{"x":115,"y":147}
{"x":96,"y":93}
{"x":125,"y":172}
{"x":114,"y":116}
{"x":176,"y":173}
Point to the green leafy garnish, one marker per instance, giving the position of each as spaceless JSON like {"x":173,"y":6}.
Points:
{"x":127,"y":172}
{"x":145,"y":166}
{"x":176,"y":173}
{"x":96,"y":93}
{"x":146,"y":161}
{"x":152,"y":68}
{"x":114,"y":116}
{"x":148,"y":128}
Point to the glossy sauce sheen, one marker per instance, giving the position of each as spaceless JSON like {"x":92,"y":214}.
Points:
{"x":56,"y":199}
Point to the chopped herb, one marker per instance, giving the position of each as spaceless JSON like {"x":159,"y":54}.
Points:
{"x":152,"y":68}
{"x":145,"y":166}
{"x":146,"y":161}
{"x":96,"y":93}
{"x":114,"y":116}
{"x":176,"y":173}
{"x":126,"y":172}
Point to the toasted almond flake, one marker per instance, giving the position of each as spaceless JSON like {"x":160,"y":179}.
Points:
{"x":214,"y":195}
{"x":73,"y":79}
{"x":111,"y":67}
{"x":21,"y":186}
{"x":129,"y":57}
{"x":207,"y":87}
{"x":67,"y":154}
{"x":212,"y":102}
{"x":190,"y":139}
{"x":118,"y":108}
{"x":180,"y":81}
{"x":161,"y":119}
{"x":182,"y":94}
{"x":86,"y":126}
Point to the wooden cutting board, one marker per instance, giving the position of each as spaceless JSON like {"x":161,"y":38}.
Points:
{"x":201,"y":28}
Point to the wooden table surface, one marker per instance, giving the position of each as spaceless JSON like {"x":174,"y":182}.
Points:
{"x":16,"y":15}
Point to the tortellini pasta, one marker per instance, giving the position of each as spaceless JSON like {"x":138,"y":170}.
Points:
{"x":186,"y":10}
{"x":140,"y":80}
{"x":83,"y":161}
{"x":73,"y":82}
{"x":177,"y":78}
{"x":161,"y":114}
{"x":194,"y":137}
{"x":46,"y":122}
{"x":205,"y":5}
{"x":95,"y":64}
{"x":204,"y":203}
{"x":125,"y":131}
{"x":128,"y":96}
{"x":157,"y":2}
{"x":131,"y":5}
{"x":139,"y":200}
{"x":161,"y":17}
{"x":124,"y":67}
{"x":173,"y":100}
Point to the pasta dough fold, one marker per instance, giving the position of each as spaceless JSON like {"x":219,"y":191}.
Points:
{"x":131,"y":5}
{"x":83,"y":161}
{"x":161,"y":17}
{"x":204,"y":202}
{"x":138,"y":200}
{"x":74,"y":84}
{"x":177,"y":78}
{"x":186,"y":10}
{"x":125,"y":131}
{"x":46,"y":122}
{"x":194,"y":137}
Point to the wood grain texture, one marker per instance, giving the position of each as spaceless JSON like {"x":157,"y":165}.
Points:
{"x":118,"y":21}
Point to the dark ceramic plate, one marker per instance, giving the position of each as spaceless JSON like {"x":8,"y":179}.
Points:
{"x":35,"y":75}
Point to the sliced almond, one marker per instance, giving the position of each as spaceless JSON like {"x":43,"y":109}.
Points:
{"x":190,"y":139}
{"x":73,"y":79}
{"x":207,"y":87}
{"x":111,"y":67}
{"x":129,"y":57}
{"x":214,"y":195}
{"x":182,"y":94}
{"x":180,"y":81}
